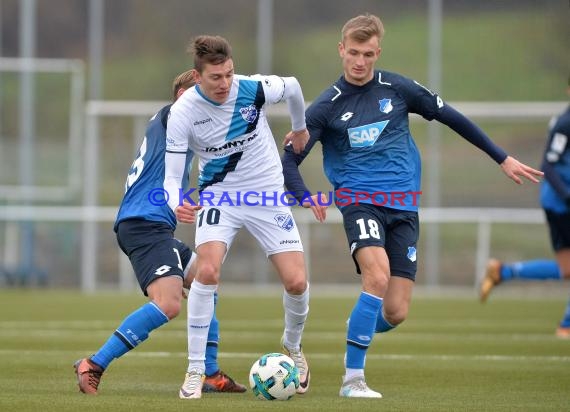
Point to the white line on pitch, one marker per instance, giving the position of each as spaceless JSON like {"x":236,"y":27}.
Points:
{"x":322,"y":356}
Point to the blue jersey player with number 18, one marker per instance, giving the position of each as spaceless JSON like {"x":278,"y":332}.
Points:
{"x":370,"y":158}
{"x":145,"y":227}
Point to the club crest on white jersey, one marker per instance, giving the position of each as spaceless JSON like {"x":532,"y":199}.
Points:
{"x":249,"y":113}
{"x":285,"y":222}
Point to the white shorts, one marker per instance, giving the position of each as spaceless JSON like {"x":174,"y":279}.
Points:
{"x":272,"y":226}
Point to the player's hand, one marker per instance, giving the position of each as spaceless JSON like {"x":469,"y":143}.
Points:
{"x":297,"y":139}
{"x":513,"y":169}
{"x":318,"y":204}
{"x":187,"y":212}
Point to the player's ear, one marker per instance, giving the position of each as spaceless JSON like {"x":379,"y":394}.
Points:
{"x":180,"y":92}
{"x":197,"y":76}
{"x":340,"y":49}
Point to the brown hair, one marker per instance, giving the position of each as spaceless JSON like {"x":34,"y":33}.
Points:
{"x":363,"y":27}
{"x":209,"y":50}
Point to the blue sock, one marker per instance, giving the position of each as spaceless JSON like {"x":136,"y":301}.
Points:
{"x":566,"y":320}
{"x":382,"y":325}
{"x":133,"y":331}
{"x":361,"y":329}
{"x":212,"y":345}
{"x":532,"y":269}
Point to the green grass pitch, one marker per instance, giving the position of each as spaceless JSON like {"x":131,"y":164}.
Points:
{"x":452,"y":354}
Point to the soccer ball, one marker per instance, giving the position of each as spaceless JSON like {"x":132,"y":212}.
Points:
{"x":274,"y":376}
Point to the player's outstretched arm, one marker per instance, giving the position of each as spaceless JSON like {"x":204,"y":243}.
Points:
{"x":513,"y":169}
{"x":472,"y":133}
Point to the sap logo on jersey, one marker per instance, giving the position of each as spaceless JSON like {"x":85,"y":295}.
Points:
{"x":366,"y":135}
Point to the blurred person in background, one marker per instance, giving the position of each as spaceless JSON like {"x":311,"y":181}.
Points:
{"x":163,"y":265}
{"x":370,"y":158}
{"x":222,"y":120}
{"x":555,"y":200}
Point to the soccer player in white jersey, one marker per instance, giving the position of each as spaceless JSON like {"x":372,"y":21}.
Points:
{"x":145,"y":228}
{"x":222,"y":120}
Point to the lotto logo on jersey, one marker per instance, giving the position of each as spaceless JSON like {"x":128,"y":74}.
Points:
{"x":366,"y":135}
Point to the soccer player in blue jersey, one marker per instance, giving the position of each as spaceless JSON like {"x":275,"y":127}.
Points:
{"x":370,"y":158}
{"x":555,"y":200}
{"x":163,"y":264}
{"x":223,"y":120}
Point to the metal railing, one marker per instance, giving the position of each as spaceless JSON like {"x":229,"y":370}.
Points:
{"x":484,"y":218}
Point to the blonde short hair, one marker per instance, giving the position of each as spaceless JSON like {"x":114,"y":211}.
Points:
{"x":363,"y":27}
{"x":182,"y":81}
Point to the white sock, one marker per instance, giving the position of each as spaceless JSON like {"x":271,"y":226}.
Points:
{"x":352,"y":373}
{"x":296,"y":311}
{"x":200,"y":312}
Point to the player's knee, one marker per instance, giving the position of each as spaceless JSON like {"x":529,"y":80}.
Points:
{"x":374,"y":283}
{"x":170,"y":307}
{"x":208,"y":273}
{"x":395,"y":316}
{"x":295,"y":285}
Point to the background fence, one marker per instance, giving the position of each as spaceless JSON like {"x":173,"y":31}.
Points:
{"x":91,"y":259}
{"x":90,"y":281}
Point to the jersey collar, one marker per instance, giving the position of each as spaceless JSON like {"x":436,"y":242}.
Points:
{"x":206,"y":97}
{"x":353,"y":87}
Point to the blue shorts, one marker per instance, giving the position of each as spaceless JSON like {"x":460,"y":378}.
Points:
{"x":153,"y":250}
{"x":397,"y":231}
{"x":559,"y":225}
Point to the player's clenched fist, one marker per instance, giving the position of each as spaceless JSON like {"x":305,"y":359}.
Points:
{"x":187,"y":212}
